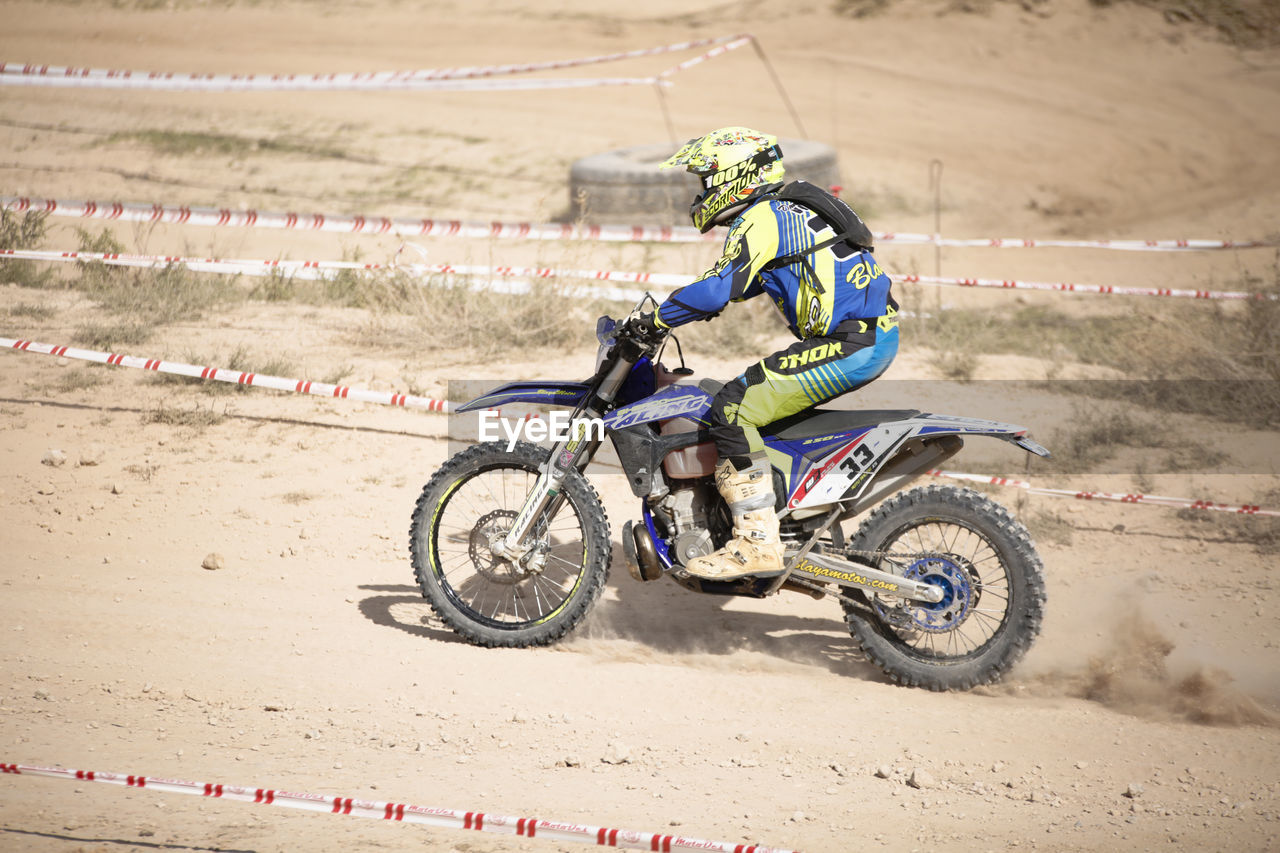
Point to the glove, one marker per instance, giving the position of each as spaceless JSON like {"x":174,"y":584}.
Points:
{"x":646,"y":327}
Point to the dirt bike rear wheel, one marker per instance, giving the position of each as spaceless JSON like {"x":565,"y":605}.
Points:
{"x":994,"y":581}
{"x":491,"y":601}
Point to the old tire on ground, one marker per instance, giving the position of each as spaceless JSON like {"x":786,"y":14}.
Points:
{"x":625,"y":186}
{"x":995,"y":591}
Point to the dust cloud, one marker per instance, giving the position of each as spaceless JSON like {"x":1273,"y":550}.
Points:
{"x":1134,"y":676}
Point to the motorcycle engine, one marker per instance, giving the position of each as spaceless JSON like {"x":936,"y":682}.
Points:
{"x":688,"y":512}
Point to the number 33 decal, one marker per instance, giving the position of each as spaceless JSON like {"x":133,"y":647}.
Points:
{"x":857,"y":460}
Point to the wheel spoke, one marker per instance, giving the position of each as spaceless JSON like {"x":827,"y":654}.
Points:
{"x":492,"y":590}
{"x":967,"y":564}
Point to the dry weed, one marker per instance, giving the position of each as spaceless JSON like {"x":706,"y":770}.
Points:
{"x":23,"y":232}
{"x":444,"y":312}
{"x":197,"y":417}
{"x":240,"y":360}
{"x":1094,"y":440}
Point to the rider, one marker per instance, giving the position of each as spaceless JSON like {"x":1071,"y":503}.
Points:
{"x":812,"y":255}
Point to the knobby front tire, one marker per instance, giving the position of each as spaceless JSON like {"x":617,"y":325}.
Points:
{"x":474,"y":497}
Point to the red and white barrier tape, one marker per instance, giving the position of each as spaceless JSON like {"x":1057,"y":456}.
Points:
{"x":220,"y":84}
{"x":321,"y":389}
{"x":410,"y":227}
{"x":1068,"y":287}
{"x":28,"y":74}
{"x":734,"y":42}
{"x":298,"y":386}
{"x":327,"y":269}
{"x":400,"y":226}
{"x":1122,"y":245}
{"x":1155,"y":500}
{"x":528,"y":827}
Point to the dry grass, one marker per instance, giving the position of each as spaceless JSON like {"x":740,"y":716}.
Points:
{"x":1092,"y":443}
{"x":111,"y":335}
{"x":140,"y":300}
{"x":179,"y":143}
{"x":23,"y":232}
{"x":411,"y":313}
{"x":197,"y":417}
{"x":37,"y":311}
{"x":1246,"y":23}
{"x":240,"y":360}
{"x":79,"y":379}
{"x":1262,"y":532}
{"x":1220,"y":360}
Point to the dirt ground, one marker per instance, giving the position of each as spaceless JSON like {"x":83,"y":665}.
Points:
{"x":1146,"y":716}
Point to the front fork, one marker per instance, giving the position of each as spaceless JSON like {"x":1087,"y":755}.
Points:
{"x":545,"y":498}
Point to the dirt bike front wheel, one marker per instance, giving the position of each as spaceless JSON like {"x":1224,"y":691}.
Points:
{"x":991,"y":575}
{"x":492,"y":601}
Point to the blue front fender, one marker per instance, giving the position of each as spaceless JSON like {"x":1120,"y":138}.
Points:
{"x":546,"y":393}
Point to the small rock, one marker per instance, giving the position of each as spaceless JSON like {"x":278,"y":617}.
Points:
{"x":1080,"y":765}
{"x":40,"y":694}
{"x":214,"y":561}
{"x":884,"y":771}
{"x":617,"y":753}
{"x":997,"y":767}
{"x":54,"y":459}
{"x":921,"y":778}
{"x":91,"y":455}
{"x":117,"y":488}
{"x":46,"y":489}
{"x":572,"y":761}
{"x":797,"y":817}
{"x":1134,"y":791}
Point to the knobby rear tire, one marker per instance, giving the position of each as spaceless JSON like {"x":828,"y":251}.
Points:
{"x":890,"y":648}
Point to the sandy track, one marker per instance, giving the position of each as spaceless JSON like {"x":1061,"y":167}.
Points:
{"x":310,"y":663}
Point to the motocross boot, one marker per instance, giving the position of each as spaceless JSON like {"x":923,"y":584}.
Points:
{"x":755,"y":547}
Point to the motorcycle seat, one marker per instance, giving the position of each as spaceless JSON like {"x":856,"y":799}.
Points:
{"x":817,"y":421}
{"x":711,"y":386}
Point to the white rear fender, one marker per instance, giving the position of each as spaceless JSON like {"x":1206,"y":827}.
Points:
{"x":913,"y":445}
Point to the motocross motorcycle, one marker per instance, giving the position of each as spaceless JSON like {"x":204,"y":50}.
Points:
{"x":941,"y":587}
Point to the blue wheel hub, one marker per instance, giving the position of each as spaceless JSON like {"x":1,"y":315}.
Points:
{"x":945,"y":571}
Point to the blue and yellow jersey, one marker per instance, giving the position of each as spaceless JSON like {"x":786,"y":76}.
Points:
{"x":815,"y":293}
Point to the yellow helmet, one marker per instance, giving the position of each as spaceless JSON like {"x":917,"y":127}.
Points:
{"x":735,"y":164}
